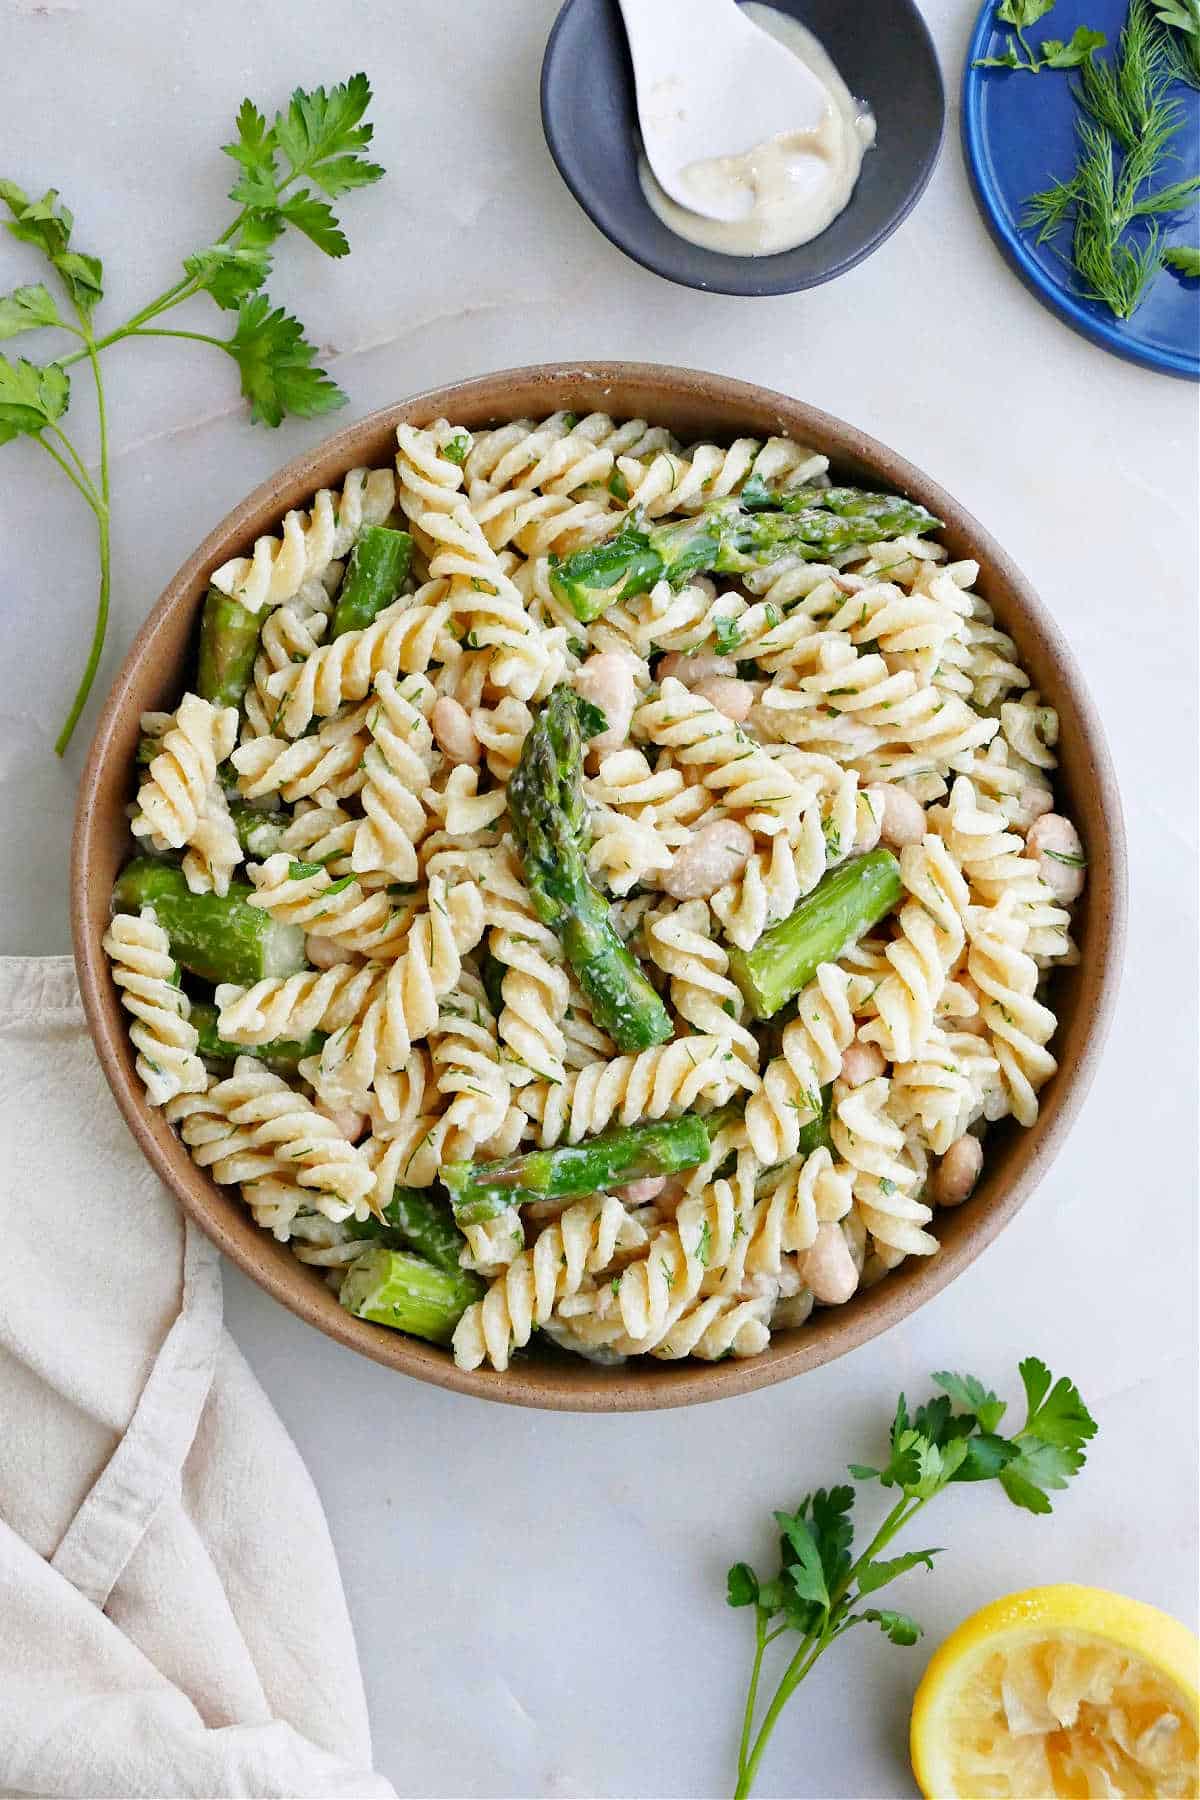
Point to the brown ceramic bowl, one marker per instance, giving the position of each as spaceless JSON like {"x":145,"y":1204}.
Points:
{"x":692,"y":405}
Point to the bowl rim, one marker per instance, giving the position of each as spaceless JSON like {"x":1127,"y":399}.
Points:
{"x":542,"y":1383}
{"x":754,"y":282}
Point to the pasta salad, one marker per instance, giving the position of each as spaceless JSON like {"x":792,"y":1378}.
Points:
{"x":597,"y":887}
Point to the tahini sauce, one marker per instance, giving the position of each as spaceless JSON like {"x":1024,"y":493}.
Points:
{"x":791,"y":187}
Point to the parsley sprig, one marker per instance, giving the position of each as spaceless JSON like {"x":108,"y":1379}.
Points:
{"x":319,"y":144}
{"x":1180,"y":20}
{"x":821,"y":1585}
{"x":1051,"y":53}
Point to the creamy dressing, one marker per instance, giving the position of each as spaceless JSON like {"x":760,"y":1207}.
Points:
{"x":787,"y":190}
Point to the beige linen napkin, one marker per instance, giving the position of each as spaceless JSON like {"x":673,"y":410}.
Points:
{"x":172,"y":1620}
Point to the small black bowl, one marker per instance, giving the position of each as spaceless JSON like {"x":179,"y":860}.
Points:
{"x":589,"y":114}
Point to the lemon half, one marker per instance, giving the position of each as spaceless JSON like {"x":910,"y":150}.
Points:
{"x":1059,"y":1690}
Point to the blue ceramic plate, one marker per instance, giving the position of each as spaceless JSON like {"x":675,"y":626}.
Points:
{"x":589,"y":115}
{"x":1019,"y":133}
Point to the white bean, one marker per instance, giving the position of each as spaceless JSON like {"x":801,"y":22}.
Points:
{"x":348,"y":1119}
{"x":729,"y":696}
{"x":955,"y":1176}
{"x":1033,"y":801}
{"x":712,"y":857}
{"x":902,"y":820}
{"x":607,"y":681}
{"x":693,"y":668}
{"x":641,"y":1193}
{"x":828,"y":1268}
{"x":451,"y":725}
{"x":1057,"y":848}
{"x":862,"y":1062}
{"x":324,"y":953}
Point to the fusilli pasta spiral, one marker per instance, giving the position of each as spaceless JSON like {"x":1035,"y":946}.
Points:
{"x":162,"y":1034}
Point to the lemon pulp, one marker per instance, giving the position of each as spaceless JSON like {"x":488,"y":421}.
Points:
{"x":1068,"y":1714}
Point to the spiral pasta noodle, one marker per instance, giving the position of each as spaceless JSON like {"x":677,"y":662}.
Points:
{"x":816,"y":1192}
{"x":330,"y":760}
{"x":671,"y":1078}
{"x":402,"y":1006}
{"x":681,"y":944}
{"x":292,"y":1006}
{"x":1019,"y":1025}
{"x":872,"y":1146}
{"x":584,"y":1238}
{"x":288,"y":637}
{"x":931,"y":937}
{"x":467,"y":1068}
{"x":404,"y":639}
{"x":535,"y":988}
{"x":308,"y":542}
{"x":162,"y":1034}
{"x":810,"y":1056}
{"x":401,"y":1150}
{"x":749,"y":783}
{"x":398,"y":764}
{"x":303,"y":894}
{"x":252,"y":1126}
{"x":994,"y":862}
{"x":182,"y":776}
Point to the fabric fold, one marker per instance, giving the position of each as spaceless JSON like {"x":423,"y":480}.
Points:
{"x":172,"y":1621}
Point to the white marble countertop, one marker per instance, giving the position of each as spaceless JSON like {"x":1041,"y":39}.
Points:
{"x":538,"y":1599}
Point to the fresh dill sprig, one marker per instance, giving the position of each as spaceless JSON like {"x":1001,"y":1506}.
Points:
{"x":1124,"y":136}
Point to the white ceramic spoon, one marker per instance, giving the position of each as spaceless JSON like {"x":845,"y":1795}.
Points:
{"x":711,"y":83}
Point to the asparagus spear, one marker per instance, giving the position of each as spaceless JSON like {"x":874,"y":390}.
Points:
{"x":228,"y":645}
{"x":377,"y":567}
{"x":414,"y":1219}
{"x":480,"y":1191}
{"x":258,"y":832}
{"x":393,"y":1287}
{"x":874,"y":515}
{"x":730,"y":538}
{"x":283,"y":1055}
{"x":545,"y":800}
{"x":220,"y":939}
{"x":843,"y":906}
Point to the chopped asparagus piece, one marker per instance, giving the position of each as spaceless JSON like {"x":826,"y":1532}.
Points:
{"x":841,"y":908}
{"x":480,"y":1191}
{"x":414,"y":1219}
{"x":545,"y":799}
{"x":282,"y":1055}
{"x":258,"y":832}
{"x":393,"y":1287}
{"x":730,"y":537}
{"x":218,"y":938}
{"x":228,"y":645}
{"x":374,"y":576}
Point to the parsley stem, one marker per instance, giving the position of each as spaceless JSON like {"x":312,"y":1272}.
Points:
{"x":89,"y":494}
{"x":761,"y":1639}
{"x":85,"y":484}
{"x":183,"y":290}
{"x":793,"y":1675}
{"x":197,"y":337}
{"x":102,"y":520}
